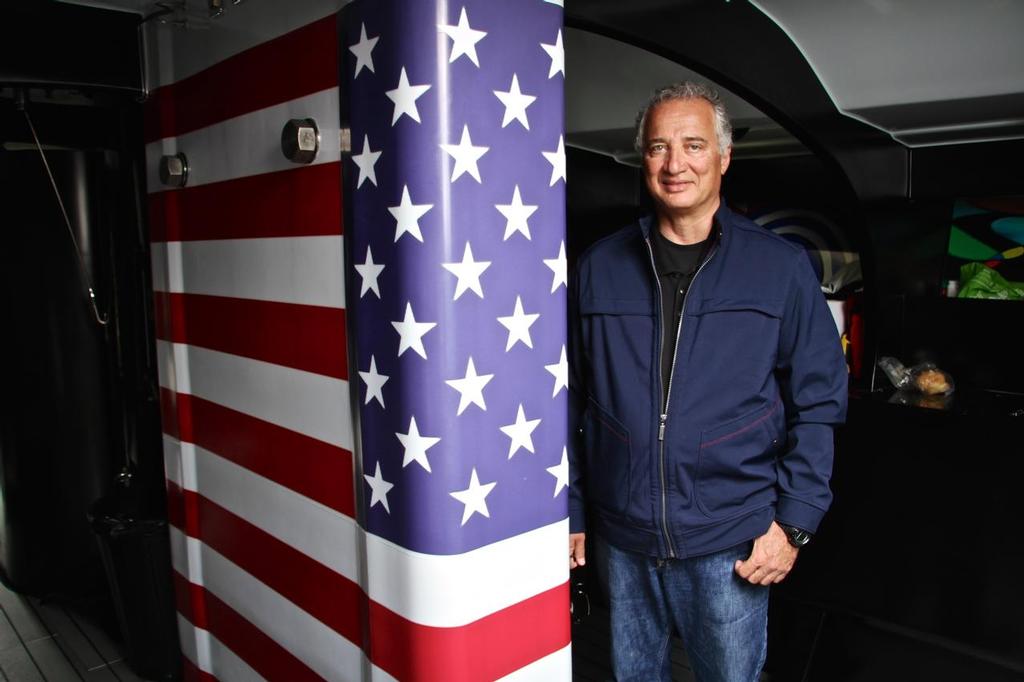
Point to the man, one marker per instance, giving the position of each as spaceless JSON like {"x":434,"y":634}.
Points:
{"x":708,"y":380}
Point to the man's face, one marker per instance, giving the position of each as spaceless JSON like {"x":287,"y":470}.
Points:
{"x":683,"y":167}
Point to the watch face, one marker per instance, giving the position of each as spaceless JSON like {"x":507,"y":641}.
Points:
{"x":798,"y":537}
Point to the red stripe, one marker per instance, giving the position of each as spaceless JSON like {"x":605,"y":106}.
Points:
{"x":252,"y":645}
{"x":306,"y":337}
{"x":310,"y":467}
{"x":176,"y":507}
{"x":176,"y":414}
{"x":190,"y":601}
{"x":300,"y":201}
{"x":329,"y":597}
{"x":487,"y":649}
{"x":483,"y":650}
{"x":290,"y":66}
{"x":191,"y":672}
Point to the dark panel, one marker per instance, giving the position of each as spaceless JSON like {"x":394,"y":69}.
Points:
{"x":909,"y":240}
{"x":59,"y":44}
{"x":980,"y":169}
{"x":55,"y":421}
{"x":923,"y":536}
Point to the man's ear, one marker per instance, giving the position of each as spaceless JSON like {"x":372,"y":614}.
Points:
{"x":726,"y":158}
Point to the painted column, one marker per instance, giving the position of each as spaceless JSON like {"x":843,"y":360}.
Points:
{"x":455,"y":192}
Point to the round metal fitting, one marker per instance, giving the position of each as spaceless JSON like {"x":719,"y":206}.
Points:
{"x":300,"y":140}
{"x":174,"y":170}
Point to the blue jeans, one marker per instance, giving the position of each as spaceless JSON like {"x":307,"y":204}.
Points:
{"x":722,"y":619}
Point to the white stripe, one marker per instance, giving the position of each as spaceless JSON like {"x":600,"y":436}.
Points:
{"x":249,"y":144}
{"x":159,"y":258}
{"x":322,"y":649}
{"x":179,"y":554}
{"x":209,"y":655}
{"x":453,"y":590}
{"x":305,"y":402}
{"x":240,"y":28}
{"x":189,"y":642}
{"x":323,"y":534}
{"x":172,"y":460}
{"x":185,"y":556}
{"x":303,"y":270}
{"x":556,"y":666}
{"x":435,"y":590}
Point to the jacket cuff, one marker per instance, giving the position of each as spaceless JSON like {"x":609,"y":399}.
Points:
{"x":792,"y":512}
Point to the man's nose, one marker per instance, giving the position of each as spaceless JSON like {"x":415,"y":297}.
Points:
{"x":675,"y":161}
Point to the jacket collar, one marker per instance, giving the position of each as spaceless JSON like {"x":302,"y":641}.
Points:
{"x":719,"y":229}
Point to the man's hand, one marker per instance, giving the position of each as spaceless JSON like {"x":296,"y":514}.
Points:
{"x":577,"y":549}
{"x":771,"y":559}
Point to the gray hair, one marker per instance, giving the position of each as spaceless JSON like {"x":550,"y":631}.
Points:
{"x":687,"y":90}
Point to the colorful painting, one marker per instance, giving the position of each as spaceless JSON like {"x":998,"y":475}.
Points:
{"x":990,"y":232}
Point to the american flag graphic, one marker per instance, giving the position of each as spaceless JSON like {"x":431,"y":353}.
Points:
{"x":457,"y":195}
{"x":424,"y":559}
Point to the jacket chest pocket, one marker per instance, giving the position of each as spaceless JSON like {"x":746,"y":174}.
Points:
{"x":735,"y":341}
{"x":618,"y":336}
{"x":736,"y":463}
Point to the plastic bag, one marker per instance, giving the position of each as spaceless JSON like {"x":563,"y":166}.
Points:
{"x":980,"y":281}
{"x":924,"y":378}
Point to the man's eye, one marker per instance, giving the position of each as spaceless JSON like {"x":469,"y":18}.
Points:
{"x":656,"y":148}
{"x":696,"y":147}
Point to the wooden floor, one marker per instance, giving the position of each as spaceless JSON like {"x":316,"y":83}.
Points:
{"x":42,"y":642}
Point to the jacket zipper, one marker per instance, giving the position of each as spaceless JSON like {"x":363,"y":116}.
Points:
{"x":665,"y":396}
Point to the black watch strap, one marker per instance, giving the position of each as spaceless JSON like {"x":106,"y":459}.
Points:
{"x":798,"y":537}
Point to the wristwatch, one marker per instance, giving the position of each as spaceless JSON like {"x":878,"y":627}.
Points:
{"x":798,"y":537}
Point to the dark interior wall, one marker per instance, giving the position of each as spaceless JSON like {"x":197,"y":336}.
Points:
{"x":87,"y":398}
{"x":54,"y":43}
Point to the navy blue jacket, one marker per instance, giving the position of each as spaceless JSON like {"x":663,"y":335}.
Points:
{"x":759,"y":384}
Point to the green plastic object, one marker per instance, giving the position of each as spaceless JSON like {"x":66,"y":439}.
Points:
{"x":980,"y":281}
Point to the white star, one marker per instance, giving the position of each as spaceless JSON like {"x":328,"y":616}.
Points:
{"x":468,"y":272}
{"x":465,"y":155}
{"x":518,"y":325}
{"x":464,"y":39}
{"x":379,"y":489}
{"x":362,"y":50}
{"x":561,"y":473}
{"x":520,"y":432}
{"x":470,"y":387}
{"x":366,"y":160}
{"x":369,"y":271}
{"x":416,"y":446}
{"x":412,"y":333}
{"x":404,"y":96}
{"x":407,"y":216}
{"x":557,"y":54}
{"x":515,"y":103}
{"x":559,"y":268}
{"x":559,"y":370}
{"x":474,"y":497}
{"x":557,"y":161}
{"x":374,"y":383}
{"x":516,"y":215}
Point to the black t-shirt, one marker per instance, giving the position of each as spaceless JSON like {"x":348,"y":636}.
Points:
{"x":676,"y":264}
